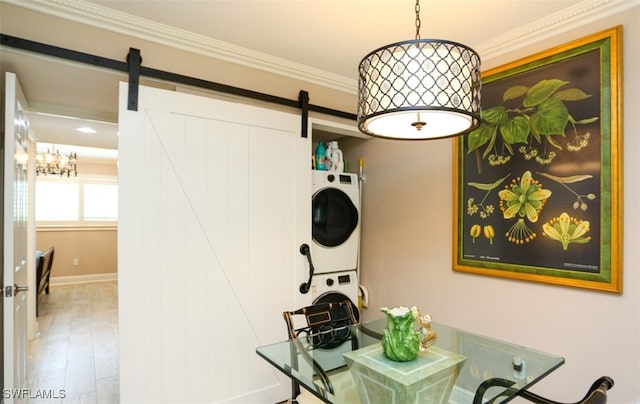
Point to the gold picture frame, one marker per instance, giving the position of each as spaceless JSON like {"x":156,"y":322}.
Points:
{"x":538,"y":186}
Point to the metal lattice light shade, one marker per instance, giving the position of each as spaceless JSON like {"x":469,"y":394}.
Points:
{"x":419,"y":89}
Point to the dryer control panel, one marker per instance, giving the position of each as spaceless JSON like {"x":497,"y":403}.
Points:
{"x":342,"y":280}
{"x":342,"y":178}
{"x":343,"y":283}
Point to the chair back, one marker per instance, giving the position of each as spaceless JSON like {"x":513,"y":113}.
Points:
{"x":325,"y":325}
{"x":320,"y":326}
{"x":43,"y":270}
{"x":49,"y":258}
{"x":597,"y":393}
{"x":39,"y":263}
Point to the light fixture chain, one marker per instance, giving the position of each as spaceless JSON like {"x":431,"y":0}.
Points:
{"x":417,"y":19}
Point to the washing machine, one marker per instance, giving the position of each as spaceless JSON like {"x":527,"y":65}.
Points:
{"x":335,"y":226}
{"x":335,"y":287}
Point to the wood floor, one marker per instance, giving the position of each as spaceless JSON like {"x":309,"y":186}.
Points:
{"x":76,"y":353}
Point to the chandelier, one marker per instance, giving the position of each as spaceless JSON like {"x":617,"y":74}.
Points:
{"x":419,"y":89}
{"x":56,"y":163}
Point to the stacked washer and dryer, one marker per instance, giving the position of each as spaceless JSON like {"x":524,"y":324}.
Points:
{"x":336,"y":237}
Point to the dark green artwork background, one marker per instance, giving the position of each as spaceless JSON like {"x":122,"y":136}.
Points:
{"x":582,"y":71}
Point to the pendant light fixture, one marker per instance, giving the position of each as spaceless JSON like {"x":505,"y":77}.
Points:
{"x":57,"y":164}
{"x":419,"y":89}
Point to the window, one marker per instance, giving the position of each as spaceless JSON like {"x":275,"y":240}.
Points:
{"x":100,"y":202}
{"x":57,"y":201}
{"x":64,"y":200}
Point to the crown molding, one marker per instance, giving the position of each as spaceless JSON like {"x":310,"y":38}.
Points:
{"x":102,"y":17}
{"x":122,"y":23}
{"x":579,"y":15}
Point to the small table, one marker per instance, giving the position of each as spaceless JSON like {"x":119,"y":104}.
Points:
{"x":470,"y":362}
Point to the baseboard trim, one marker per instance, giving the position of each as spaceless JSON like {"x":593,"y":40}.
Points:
{"x":67,"y":280}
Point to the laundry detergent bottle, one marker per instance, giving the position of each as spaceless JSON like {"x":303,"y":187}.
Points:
{"x":321,"y":157}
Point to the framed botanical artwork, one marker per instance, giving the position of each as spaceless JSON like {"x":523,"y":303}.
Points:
{"x":538,"y":186}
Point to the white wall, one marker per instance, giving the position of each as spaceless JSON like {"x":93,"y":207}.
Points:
{"x":407,"y":253}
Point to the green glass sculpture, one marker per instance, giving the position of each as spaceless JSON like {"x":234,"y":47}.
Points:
{"x":400,"y":340}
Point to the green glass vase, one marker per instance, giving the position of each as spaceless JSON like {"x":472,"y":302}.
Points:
{"x":400,"y":340}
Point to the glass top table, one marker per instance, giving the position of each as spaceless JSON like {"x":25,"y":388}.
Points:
{"x":461,"y":367}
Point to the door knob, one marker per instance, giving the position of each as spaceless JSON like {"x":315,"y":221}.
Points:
{"x":14,"y":290}
{"x":17,"y":289}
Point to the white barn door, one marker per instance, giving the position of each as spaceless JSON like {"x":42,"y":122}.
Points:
{"x":212,"y":214}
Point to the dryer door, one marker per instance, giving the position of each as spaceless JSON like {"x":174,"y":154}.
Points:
{"x":335,"y":217}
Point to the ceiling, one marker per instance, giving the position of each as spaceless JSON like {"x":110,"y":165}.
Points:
{"x":333,"y":35}
{"x":327,"y":37}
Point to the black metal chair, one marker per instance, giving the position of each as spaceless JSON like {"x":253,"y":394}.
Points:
{"x":597,"y":393}
{"x":324,"y":326}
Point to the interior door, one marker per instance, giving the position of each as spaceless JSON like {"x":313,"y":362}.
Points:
{"x":14,"y":245}
{"x":214,"y":204}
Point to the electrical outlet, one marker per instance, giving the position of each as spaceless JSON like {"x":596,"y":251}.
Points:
{"x":76,"y":262}
{"x":363,"y":297}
